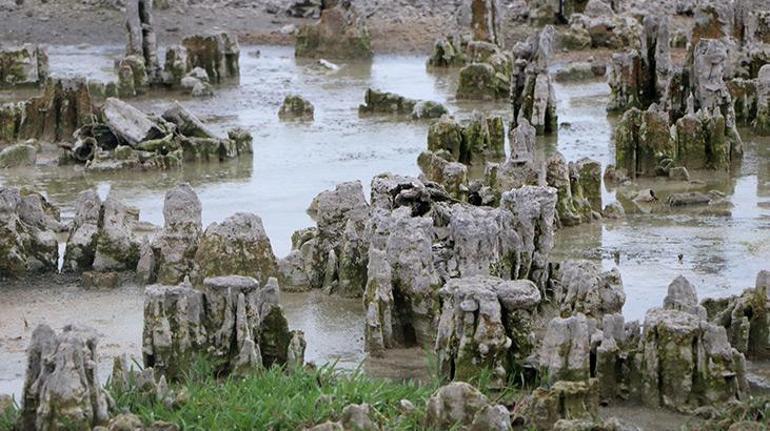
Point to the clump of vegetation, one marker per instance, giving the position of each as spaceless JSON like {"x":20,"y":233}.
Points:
{"x":8,"y":417}
{"x":280,"y":400}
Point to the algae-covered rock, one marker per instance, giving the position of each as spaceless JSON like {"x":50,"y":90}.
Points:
{"x":481,"y":139}
{"x":18,"y":155}
{"x":455,"y":404}
{"x":296,"y":107}
{"x":217,"y":53}
{"x":237,"y":246}
{"x":81,"y":243}
{"x":542,"y":409}
{"x":482,"y":81}
{"x":23,"y":65}
{"x":532,"y":94}
{"x":61,"y":386}
{"x":339,"y":34}
{"x":117,"y":247}
{"x":174,"y":328}
{"x":484,"y":323}
{"x":28,"y":225}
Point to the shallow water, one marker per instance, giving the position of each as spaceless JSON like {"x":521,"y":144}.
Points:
{"x":294,"y":161}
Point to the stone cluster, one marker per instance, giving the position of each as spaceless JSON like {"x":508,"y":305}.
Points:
{"x":61,"y":387}
{"x":679,"y":361}
{"x":599,"y":26}
{"x":339,"y":34}
{"x":296,"y":108}
{"x":63,"y":107}
{"x":23,"y":65}
{"x":182,"y":249}
{"x":380,"y":102}
{"x":28,"y":228}
{"x":477,"y":141}
{"x":675,"y":118}
{"x":532,"y":94}
{"x":235,"y":320}
{"x":122,"y":137}
{"x":199,"y":61}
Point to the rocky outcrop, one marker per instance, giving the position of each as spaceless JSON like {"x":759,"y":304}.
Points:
{"x":533,"y":209}
{"x":233,"y":319}
{"x":217,"y":53}
{"x":481,"y":139}
{"x":600,"y":27}
{"x":643,"y":145}
{"x":543,"y":12}
{"x":296,"y":107}
{"x":460,"y":405}
{"x":117,"y":247}
{"x":639,"y":78}
{"x":142,"y":41}
{"x":532,"y":94}
{"x":28,"y":226}
{"x":81,"y":243}
{"x":174,"y":328}
{"x":485,"y":21}
{"x":581,"y":287}
{"x":170,"y":256}
{"x":339,"y":34}
{"x":333,"y":255}
{"x":449,"y":52}
{"x":23,"y":65}
{"x":421,"y":241}
{"x":61,"y":387}
{"x":486,"y":325}
{"x":237,"y":246}
{"x":126,"y":138}
{"x":746,"y":318}
{"x":53,"y":116}
{"x":687,"y":362}
{"x":566,"y":349}
{"x":379,"y":102}
{"x":572,"y":205}
{"x":762,"y":121}
{"x":18,"y":155}
{"x":542,"y":409}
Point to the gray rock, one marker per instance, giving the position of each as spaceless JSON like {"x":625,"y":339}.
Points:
{"x":177,"y":243}
{"x":27,"y":223}
{"x":174,"y":328}
{"x":23,"y":65}
{"x":565,"y":350}
{"x":218,"y":53}
{"x":582,"y":288}
{"x":81,"y":243}
{"x":18,"y":155}
{"x":454,"y":404}
{"x":61,"y":386}
{"x":117,"y":247}
{"x":358,"y":417}
{"x":296,"y":107}
{"x":142,"y":40}
{"x":127,"y":123}
{"x":472,"y":337}
{"x":237,"y":246}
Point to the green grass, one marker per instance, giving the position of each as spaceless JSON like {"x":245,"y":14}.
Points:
{"x":275,"y":400}
{"x":8,"y":418}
